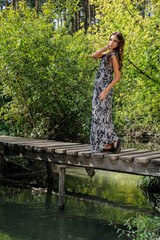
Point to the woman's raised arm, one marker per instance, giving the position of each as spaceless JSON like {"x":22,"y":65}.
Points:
{"x":101,"y":52}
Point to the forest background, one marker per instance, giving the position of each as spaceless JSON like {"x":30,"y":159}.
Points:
{"x":47,"y":73}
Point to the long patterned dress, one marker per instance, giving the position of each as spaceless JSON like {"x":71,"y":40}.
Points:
{"x":102,"y":128}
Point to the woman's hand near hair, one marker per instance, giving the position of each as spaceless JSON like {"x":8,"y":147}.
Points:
{"x":100,"y":53}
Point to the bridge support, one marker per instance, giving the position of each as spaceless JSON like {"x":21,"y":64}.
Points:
{"x":50,"y":175}
{"x":61,"y":198}
{"x":2,"y":161}
{"x":90,"y":171}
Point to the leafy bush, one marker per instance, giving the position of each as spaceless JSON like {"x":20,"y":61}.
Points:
{"x":137,"y":96}
{"x":47,"y":74}
{"x":150,"y":184}
{"x":142,"y":228}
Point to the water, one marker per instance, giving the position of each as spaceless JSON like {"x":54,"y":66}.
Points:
{"x":90,"y":206}
{"x":23,"y":218}
{"x":31,"y":213}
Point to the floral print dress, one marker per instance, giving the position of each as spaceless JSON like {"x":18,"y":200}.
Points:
{"x":102,"y":128}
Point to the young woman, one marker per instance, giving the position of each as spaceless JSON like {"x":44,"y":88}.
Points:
{"x":103,"y":137}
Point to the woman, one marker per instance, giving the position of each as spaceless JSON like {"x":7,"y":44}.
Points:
{"x":103,"y":138}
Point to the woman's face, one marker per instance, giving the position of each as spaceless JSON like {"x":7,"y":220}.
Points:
{"x":113,"y":42}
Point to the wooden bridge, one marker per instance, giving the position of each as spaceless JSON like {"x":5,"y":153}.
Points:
{"x":141,"y":162}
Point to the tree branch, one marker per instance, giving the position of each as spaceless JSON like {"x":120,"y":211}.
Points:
{"x":146,"y":75}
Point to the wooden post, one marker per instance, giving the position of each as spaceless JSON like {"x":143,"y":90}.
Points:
{"x":61,"y":198}
{"x":1,"y":158}
{"x":49,"y":171}
{"x":49,"y":195}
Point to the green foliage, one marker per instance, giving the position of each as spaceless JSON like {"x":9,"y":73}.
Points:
{"x":142,"y":228}
{"x":151,"y":190}
{"x":151,"y":184}
{"x":137,"y":96}
{"x":46,"y":74}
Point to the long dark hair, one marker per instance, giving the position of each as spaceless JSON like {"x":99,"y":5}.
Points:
{"x":119,"y":49}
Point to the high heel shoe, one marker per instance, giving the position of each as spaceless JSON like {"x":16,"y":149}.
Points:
{"x":118,"y":146}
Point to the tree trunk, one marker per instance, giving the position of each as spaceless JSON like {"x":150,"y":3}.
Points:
{"x":37,"y":6}
{"x":89,"y":13}
{"x":64,"y":13}
{"x":85,"y":14}
{"x":76,"y":22}
{"x":7,"y":3}
{"x":143,"y":8}
{"x":13,"y":4}
{"x":72,"y":31}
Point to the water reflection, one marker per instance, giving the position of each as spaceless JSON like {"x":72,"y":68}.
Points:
{"x":90,"y":205}
{"x":110,"y":186}
{"x":24,"y":217}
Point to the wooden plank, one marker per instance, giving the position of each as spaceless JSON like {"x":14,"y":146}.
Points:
{"x":114,"y":157}
{"x":43,"y":144}
{"x":53,"y":146}
{"x":130,"y":156}
{"x":15,"y":143}
{"x":41,"y":147}
{"x":63,"y":150}
{"x":147,"y":159}
{"x":96,"y":156}
{"x":9,"y":138}
{"x":26,"y":145}
{"x":84,"y":154}
{"x":74,"y":152}
{"x":60,"y":146}
{"x":70,"y":146}
{"x":20,"y":140}
{"x":88,"y":153}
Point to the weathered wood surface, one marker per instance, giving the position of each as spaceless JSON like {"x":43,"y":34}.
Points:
{"x":61,"y":197}
{"x":143,"y":162}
